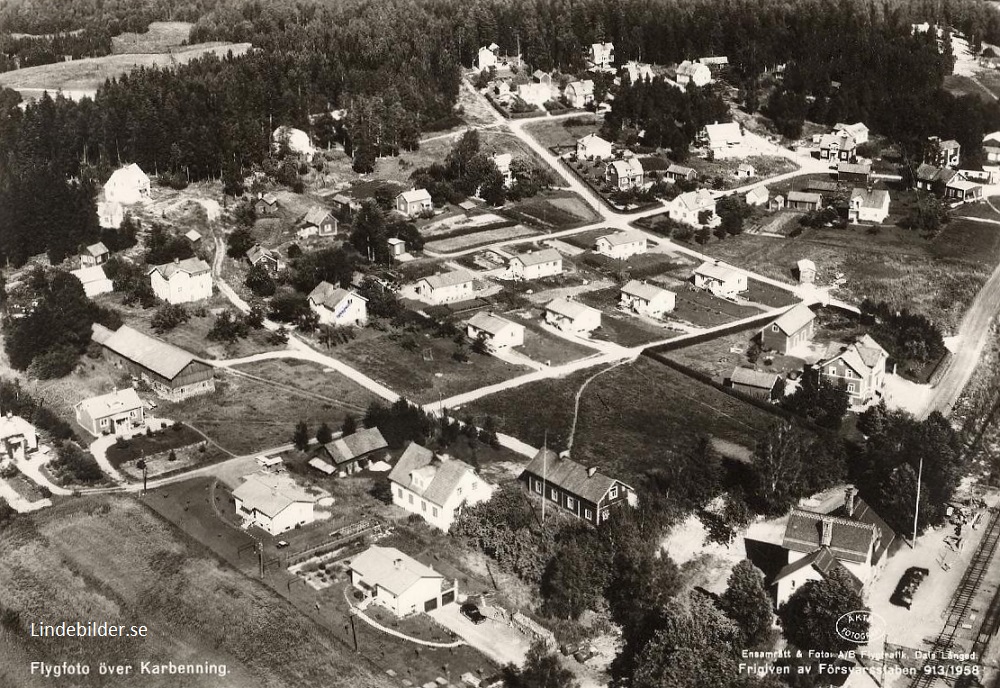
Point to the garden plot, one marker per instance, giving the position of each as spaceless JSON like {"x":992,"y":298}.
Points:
{"x":484,"y":238}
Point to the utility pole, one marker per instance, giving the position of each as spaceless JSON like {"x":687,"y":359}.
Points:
{"x":354,"y":631}
{"x":916,"y":505}
{"x":545,"y":464}
{"x":260,"y":557}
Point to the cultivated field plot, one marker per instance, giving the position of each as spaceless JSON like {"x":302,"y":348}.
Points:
{"x":894,"y":265}
{"x":719,"y":356}
{"x":541,"y":345}
{"x":553,"y":212}
{"x":563,"y":132}
{"x":158,"y":38}
{"x":111,"y":558}
{"x":968,"y":240}
{"x":632,"y":418}
{"x":617,"y":326}
{"x":476,"y":239}
{"x":764,"y":166}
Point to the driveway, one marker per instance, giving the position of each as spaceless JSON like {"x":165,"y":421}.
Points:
{"x":496,"y":640}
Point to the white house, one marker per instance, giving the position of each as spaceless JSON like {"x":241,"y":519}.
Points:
{"x":807,"y":271}
{"x":294,"y":140}
{"x":337,"y":306}
{"x":435,"y":487}
{"x":868,"y":205}
{"x":414,"y":202}
{"x":487,"y":57}
{"x":274,"y":502}
{"x":858,"y":131}
{"x":95,"y":254}
{"x":720,"y":279}
{"x":693,"y":73}
{"x":572,"y":316}
{"x":498,"y":333}
{"x":182,"y":281}
{"x":17,"y":438}
{"x":688,"y":208}
{"x":502,"y":162}
{"x":646,"y":299}
{"x":621,"y":245}
{"x":457,"y":285}
{"x":745,"y":171}
{"x":94,"y":280}
{"x":120,"y":412}
{"x":624,"y":174}
{"x":593,"y":147}
{"x":318,"y":222}
{"x":724,"y":140}
{"x":127,"y":185}
{"x":399,"y":583}
{"x":110,"y":214}
{"x":580,"y":94}
{"x":757,"y":196}
{"x":638,"y":71}
{"x":397,"y":246}
{"x":991,"y":146}
{"x":536,"y":264}
{"x":602,"y":55}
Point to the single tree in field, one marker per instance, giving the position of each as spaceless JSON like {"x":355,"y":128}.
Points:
{"x":350,"y":425}
{"x":300,"y":438}
{"x":324,"y":435}
{"x":746,"y":601}
{"x":810,"y":617}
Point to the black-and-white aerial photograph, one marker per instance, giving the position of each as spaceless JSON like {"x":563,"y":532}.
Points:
{"x":499,"y":344}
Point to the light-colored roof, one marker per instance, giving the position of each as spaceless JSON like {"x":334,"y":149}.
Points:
{"x":130,"y":175}
{"x":258,"y":253}
{"x":804,"y":197}
{"x":717,"y":271}
{"x":753,"y":378}
{"x":646,"y":292}
{"x":350,"y":448}
{"x":491,"y":324}
{"x":861,"y":356}
{"x":438,"y":476}
{"x":192,"y":235}
{"x":841,"y":139}
{"x":269,"y":198}
{"x":546,"y":255}
{"x":15,"y":426}
{"x":795,"y":318}
{"x":623,"y":238}
{"x":88,"y":275}
{"x":192,"y":266}
{"x":448,"y":279}
{"x":759,"y":192}
{"x":593,"y":139}
{"x":585,"y":87}
{"x":876,"y":198}
{"x":328,"y":295}
{"x":805,"y":264}
{"x":680,"y":169}
{"x":950,"y":143}
{"x":388,"y":568}
{"x":696,"y":200}
{"x":416,"y":195}
{"x":503,"y":161}
{"x":271,"y":493}
{"x":626,"y":168}
{"x":163,"y":359}
{"x":854,"y":168}
{"x":823,"y":561}
{"x":963,"y":185}
{"x":688,"y":68}
{"x":316,"y":216}
{"x":570,"y":476}
{"x":993,"y":137}
{"x":723,"y":134}
{"x":569,"y":309}
{"x":111,"y":403}
{"x":321,"y":465}
{"x":98,"y":249}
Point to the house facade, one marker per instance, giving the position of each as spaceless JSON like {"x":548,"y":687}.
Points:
{"x":756,"y":384}
{"x":182,"y":281}
{"x":398,"y":582}
{"x":960,"y":190}
{"x":757,"y":196}
{"x":838,"y":147}
{"x":274,"y":502}
{"x":110,"y":214}
{"x":18,"y":438}
{"x":646,"y":299}
{"x":791,"y":329}
{"x":580,"y":94}
{"x":536,"y":264}
{"x":265,"y":258}
{"x":807,"y":271}
{"x":624,"y":175}
{"x":572,"y":316}
{"x":445,"y":288}
{"x":622,"y":245}
{"x":414,"y":202}
{"x":487,"y":57}
{"x":692,"y":207}
{"x":337,"y":306}
{"x":693,"y":73}
{"x":868,"y":206}
{"x":127,"y":185}
{"x":319,"y":222}
{"x":348,"y":452}
{"x":94,"y":255}
{"x":678,"y":172}
{"x":991,"y":146}
{"x":435,"y":487}
{"x":860,"y":367}
{"x":120,"y":412}
{"x":854,"y":173}
{"x":265,"y":205}
{"x":574,"y":488}
{"x":858,"y":131}
{"x":720,"y":279}
{"x":498,"y":333}
{"x":593,"y":147}
{"x":724,"y":140}
{"x":803,"y":200}
{"x":942,"y":153}
{"x":602,"y":55}
{"x":503,"y":162}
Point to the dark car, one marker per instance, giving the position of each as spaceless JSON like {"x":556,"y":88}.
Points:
{"x":472,"y":613}
{"x":907,"y":587}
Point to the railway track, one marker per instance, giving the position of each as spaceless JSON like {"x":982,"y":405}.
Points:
{"x":961,"y":601}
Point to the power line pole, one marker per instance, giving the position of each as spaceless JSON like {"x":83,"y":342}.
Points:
{"x":916,"y":505}
{"x":545,"y":464}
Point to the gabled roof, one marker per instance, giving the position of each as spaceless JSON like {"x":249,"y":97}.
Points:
{"x":865,"y":514}
{"x":350,"y":447}
{"x":804,"y":197}
{"x":503,"y":161}
{"x":256,"y":253}
{"x":316,"y":216}
{"x":154,"y":354}
{"x":269,"y":198}
{"x":949,"y":144}
{"x":688,"y":68}
{"x":388,"y":568}
{"x":491,"y":324}
{"x":15,"y":426}
{"x":98,"y":249}
{"x":823,"y":561}
{"x":758,"y":193}
{"x":805,"y":264}
{"x":723,"y":134}
{"x":861,"y":356}
{"x":841,"y":139}
{"x":717,"y":271}
{"x":644,"y":291}
{"x":696,"y":200}
{"x":569,"y":309}
{"x":795,"y":318}
{"x":626,"y":168}
{"x":192,"y":266}
{"x":874,"y":198}
{"x":963,"y":185}
{"x":593,"y":139}
{"x":438,"y":476}
{"x":113,"y":402}
{"x":821,"y":185}
{"x":854,"y":168}
{"x":416,"y":195}
{"x":622,"y":238}
{"x":745,"y":167}
{"x":546,"y":255}
{"x":131,"y":175}
{"x":92,"y":274}
{"x":930,"y":173}
{"x":330,"y":296}
{"x":680,"y":169}
{"x":852,"y":129}
{"x":570,"y":476}
{"x":849,"y":540}
{"x":271,"y":493}
{"x":192,"y":236}
{"x":992,"y":137}
{"x":448,"y":279}
{"x":753,"y":378}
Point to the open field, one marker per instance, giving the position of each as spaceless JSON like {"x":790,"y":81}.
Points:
{"x":86,"y":75}
{"x":552,"y":134}
{"x":553,"y":211}
{"x":541,"y":345}
{"x":159,"y":37}
{"x":112,"y":559}
{"x":632,"y":418}
{"x":968,"y":240}
{"x":484,"y":238}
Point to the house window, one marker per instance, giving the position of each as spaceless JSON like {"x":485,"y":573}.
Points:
{"x":538,"y":486}
{"x":423,"y":505}
{"x":411,"y":499}
{"x":774,"y":328}
{"x":833,"y":370}
{"x":587,"y":513}
{"x":570,"y":503}
{"x":849,"y":372}
{"x":554,"y":494}
{"x":475,"y":485}
{"x":434,"y":511}
{"x":850,"y":388}
{"x":604,"y":514}
{"x":614,"y":492}
{"x":400,"y":491}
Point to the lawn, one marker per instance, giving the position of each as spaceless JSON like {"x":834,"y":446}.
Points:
{"x":632,"y":418}
{"x":112,"y":559}
{"x":559,"y":133}
{"x":768,"y":294}
{"x":154,"y":443}
{"x":543,"y":346}
{"x":702,"y":309}
{"x":477,"y":239}
{"x":552,"y":212}
{"x":970,"y":241}
{"x":158,"y":38}
{"x":586,"y":240}
{"x":765,"y":166}
{"x":716,"y":357}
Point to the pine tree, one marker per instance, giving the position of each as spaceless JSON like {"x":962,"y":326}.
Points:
{"x":324,"y":435}
{"x":301,"y":436}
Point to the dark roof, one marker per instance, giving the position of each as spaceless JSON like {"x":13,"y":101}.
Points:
{"x":154,"y":354}
{"x":803,"y":197}
{"x":820,"y":185}
{"x":753,"y":378}
{"x":824,"y":561}
{"x":570,"y":476}
{"x":350,"y":448}
{"x":439,"y":476}
{"x":865,"y":514}
{"x":849,"y":540}
{"x":930,"y":173}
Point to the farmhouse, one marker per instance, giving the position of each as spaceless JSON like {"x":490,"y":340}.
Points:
{"x":839,"y":146}
{"x":715,"y":62}
{"x":646,"y":299}
{"x":860,"y":367}
{"x":963,"y":191}
{"x":435,"y":487}
{"x":852,"y":537}
{"x":868,"y":205}
{"x":502,"y":162}
{"x":337,"y":306}
{"x":172,"y":372}
{"x":274,"y":502}
{"x":593,"y":147}
{"x":444,"y":288}
{"x":264,"y":257}
{"x":858,"y":131}
{"x":991,"y":146}
{"x":120,"y":412}
{"x":110,"y":214}
{"x":942,"y":153}
{"x":127,"y":185}
{"x":349,"y":451}
{"x":414,"y":202}
{"x":624,"y":175}
{"x":720,"y":279}
{"x":757,"y":196}
{"x":677,"y":172}
{"x":695,"y":208}
{"x":287,"y":139}
{"x":536,"y":264}
{"x":318,"y":221}
{"x":931,"y":178}
{"x":621,"y":245}
{"x":724,"y":140}
{"x":756,"y":383}
{"x":95,"y":254}
{"x":487,"y":57}
{"x":854,"y":173}
{"x":182,"y":281}
{"x":807,"y":271}
{"x":580,"y":94}
{"x":266,"y":204}
{"x":802,"y":200}
{"x":602,"y":55}
{"x":400,"y":583}
{"x":17,"y":438}
{"x":573,"y":487}
{"x":94,"y":280}
{"x":498,"y":333}
{"x":572,"y":316}
{"x":794,"y":327}
{"x":693,"y":73}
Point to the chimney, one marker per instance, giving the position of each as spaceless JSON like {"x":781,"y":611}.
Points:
{"x":849,"y":495}
{"x":564,"y":454}
{"x":398,"y":563}
{"x":591,"y":471}
{"x":827,"y":532}
{"x":176,"y":260}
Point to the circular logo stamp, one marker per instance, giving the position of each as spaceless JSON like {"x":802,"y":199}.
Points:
{"x":861,"y":627}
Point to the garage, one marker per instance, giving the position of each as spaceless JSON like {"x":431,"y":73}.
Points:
{"x":430,"y":604}
{"x":448,"y":597}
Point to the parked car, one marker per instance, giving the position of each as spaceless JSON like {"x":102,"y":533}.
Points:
{"x":472,"y":613}
{"x":282,"y":544}
{"x":585,"y":655}
{"x":907,"y":586}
